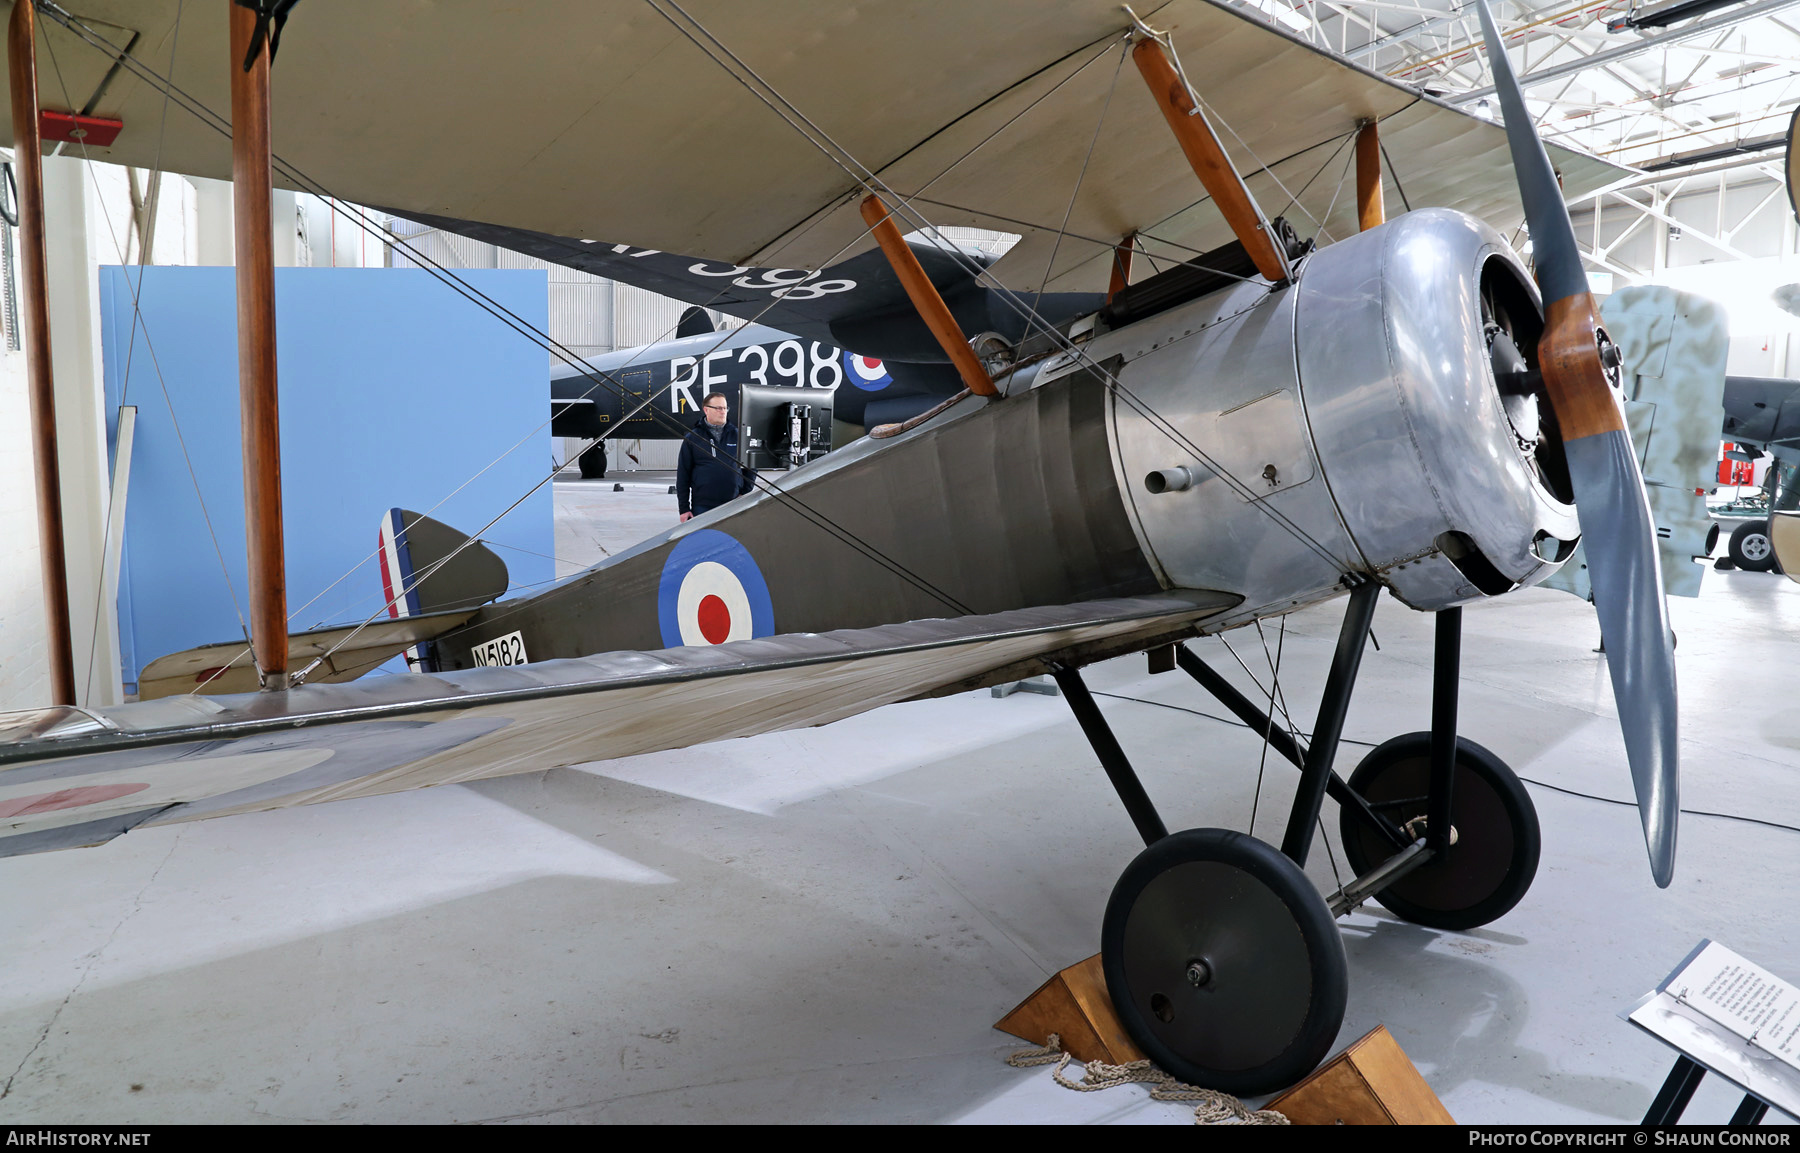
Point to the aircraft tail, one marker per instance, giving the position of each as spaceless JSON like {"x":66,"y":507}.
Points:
{"x":856,"y":303}
{"x":428,"y":567}
{"x":434,"y":579}
{"x":344,"y":652}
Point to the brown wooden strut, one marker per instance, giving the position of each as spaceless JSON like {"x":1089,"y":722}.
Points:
{"x":21,"y":49}
{"x":1370,"y":212}
{"x":1121,"y":266}
{"x":1208,"y":159}
{"x":253,"y":187}
{"x":924,"y":296}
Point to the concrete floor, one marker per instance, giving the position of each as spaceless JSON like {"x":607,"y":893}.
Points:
{"x":822,"y":925}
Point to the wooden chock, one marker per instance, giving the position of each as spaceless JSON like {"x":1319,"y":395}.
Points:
{"x":1370,"y":1083}
{"x":1074,"y":1005}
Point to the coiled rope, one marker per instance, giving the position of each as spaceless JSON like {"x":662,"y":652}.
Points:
{"x":1214,"y":1108}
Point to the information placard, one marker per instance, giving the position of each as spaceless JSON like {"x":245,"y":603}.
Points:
{"x":1732,"y":1016}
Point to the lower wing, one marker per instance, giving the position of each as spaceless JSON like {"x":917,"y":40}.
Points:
{"x":71,"y":777}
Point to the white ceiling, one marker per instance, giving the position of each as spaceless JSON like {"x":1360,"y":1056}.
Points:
{"x":1644,"y":96}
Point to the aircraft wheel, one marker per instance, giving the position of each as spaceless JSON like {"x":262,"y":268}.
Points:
{"x":1491,"y":865}
{"x":1223,"y":962}
{"x":1750,"y":548}
{"x":593,"y":462}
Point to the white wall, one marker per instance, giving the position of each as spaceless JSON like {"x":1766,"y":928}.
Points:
{"x":24,"y":655}
{"x":88,"y":219}
{"x":1746,"y":211}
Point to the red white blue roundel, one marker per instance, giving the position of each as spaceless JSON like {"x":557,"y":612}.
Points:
{"x":712,"y":592}
{"x":866,"y":373}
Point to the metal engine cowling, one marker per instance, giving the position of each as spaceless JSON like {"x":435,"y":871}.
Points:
{"x":1416,"y":343}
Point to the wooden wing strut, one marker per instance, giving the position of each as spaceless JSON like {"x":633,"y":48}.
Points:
{"x":252,"y":189}
{"x":1121,"y":266}
{"x":28,"y":155}
{"x":1209,"y":161}
{"x":925,"y":298}
{"x":1369,"y":209}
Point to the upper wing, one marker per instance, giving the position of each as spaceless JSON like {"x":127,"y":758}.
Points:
{"x":606,"y":120}
{"x":70,"y":777}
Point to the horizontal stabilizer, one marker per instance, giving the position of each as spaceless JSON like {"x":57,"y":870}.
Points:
{"x":218,"y":669}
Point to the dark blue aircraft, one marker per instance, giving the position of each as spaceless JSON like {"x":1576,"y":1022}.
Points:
{"x":851,"y":322}
{"x":605,"y":396}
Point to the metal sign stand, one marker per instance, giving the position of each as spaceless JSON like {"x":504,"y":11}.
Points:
{"x":1678,"y":1090}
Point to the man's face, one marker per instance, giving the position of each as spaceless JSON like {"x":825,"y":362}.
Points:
{"x":715,"y":412}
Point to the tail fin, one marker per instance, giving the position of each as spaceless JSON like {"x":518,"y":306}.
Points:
{"x":429,"y":567}
{"x":694,"y":322}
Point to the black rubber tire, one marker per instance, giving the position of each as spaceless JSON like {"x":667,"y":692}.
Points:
{"x":1274,"y":1001}
{"x":1495,"y":858}
{"x":1750,"y":548}
{"x":593,"y":462}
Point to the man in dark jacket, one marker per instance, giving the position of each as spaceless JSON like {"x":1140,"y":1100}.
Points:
{"x":708,"y":473}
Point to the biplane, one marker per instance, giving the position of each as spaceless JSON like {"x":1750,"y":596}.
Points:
{"x":1179,"y":414}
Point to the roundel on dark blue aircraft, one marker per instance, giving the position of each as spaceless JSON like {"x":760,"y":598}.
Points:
{"x":712,"y":592}
{"x":865,"y":372}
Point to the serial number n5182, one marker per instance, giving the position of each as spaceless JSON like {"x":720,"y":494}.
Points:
{"x":506,"y":650}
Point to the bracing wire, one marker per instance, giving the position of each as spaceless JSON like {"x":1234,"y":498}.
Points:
{"x":1262,"y":761}
{"x":762,"y":90}
{"x":137,"y":324}
{"x":360,"y":217}
{"x":1075,"y":193}
{"x":823,"y":142}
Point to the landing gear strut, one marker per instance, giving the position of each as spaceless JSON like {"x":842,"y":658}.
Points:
{"x":1220,"y":955}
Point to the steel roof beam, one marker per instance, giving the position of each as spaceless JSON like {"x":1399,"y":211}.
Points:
{"x":1638,"y":48}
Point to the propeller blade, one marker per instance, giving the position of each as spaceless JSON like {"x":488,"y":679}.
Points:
{"x":1577,"y":360}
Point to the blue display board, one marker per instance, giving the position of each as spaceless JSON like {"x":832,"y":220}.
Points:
{"x":395,"y":391}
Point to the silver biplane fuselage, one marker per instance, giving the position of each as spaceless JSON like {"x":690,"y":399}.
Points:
{"x":1363,"y":415}
{"x":1254,"y":450}
{"x":1259,"y":443}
